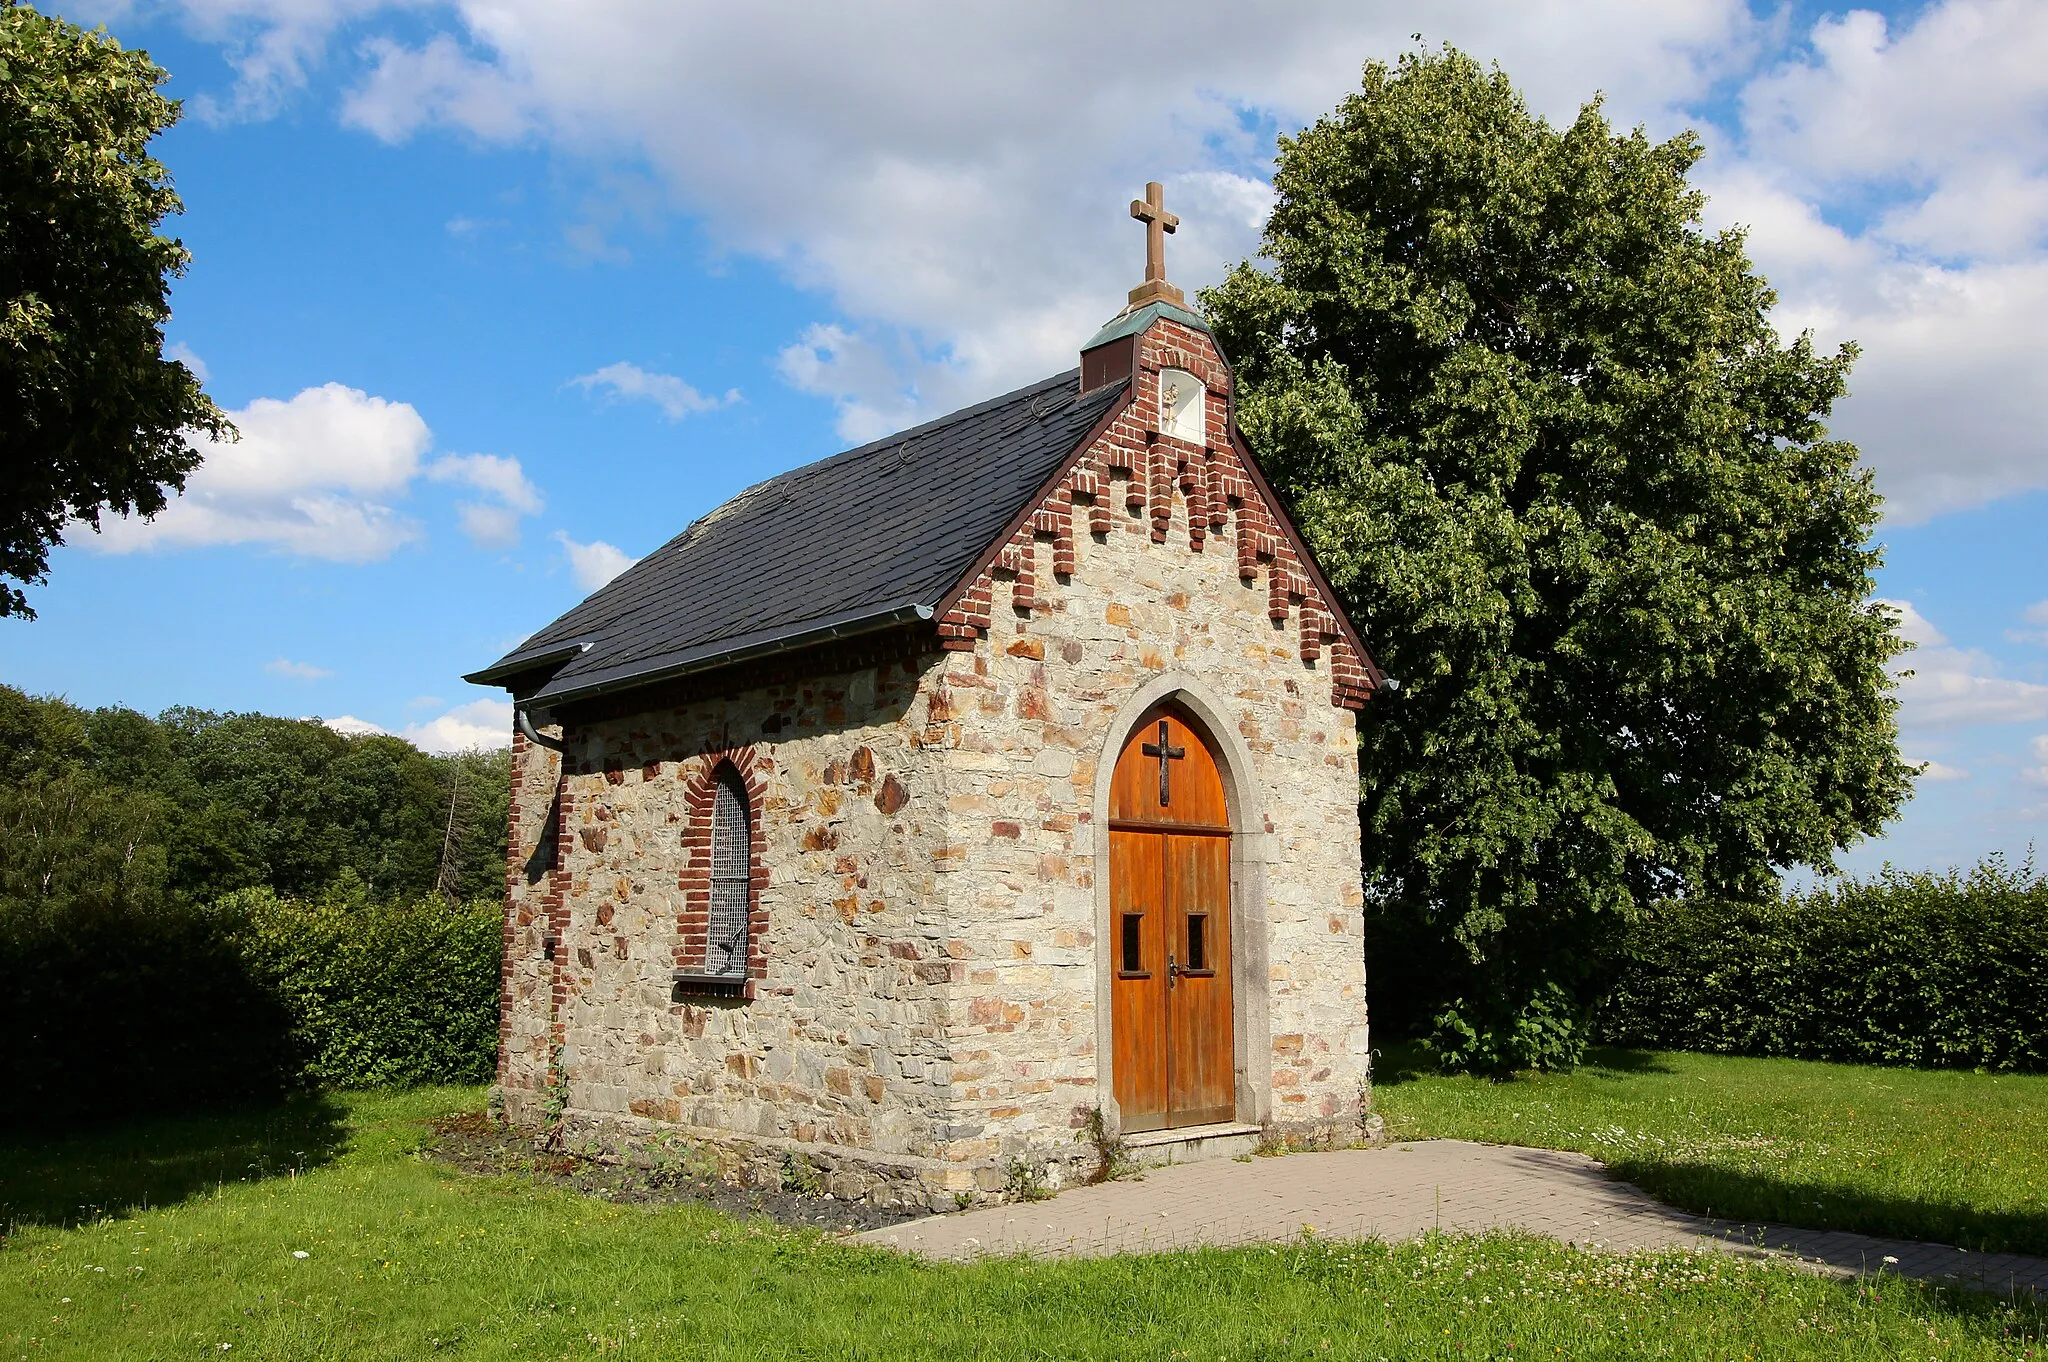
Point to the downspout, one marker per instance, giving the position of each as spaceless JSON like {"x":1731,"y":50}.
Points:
{"x":534,"y":735}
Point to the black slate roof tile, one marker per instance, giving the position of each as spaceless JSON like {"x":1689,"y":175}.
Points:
{"x":888,"y":526}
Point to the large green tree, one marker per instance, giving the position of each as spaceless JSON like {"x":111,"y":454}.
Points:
{"x":1539,"y":428}
{"x":92,"y":416}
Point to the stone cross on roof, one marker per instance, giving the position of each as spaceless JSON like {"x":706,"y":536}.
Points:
{"x":1151,"y":210}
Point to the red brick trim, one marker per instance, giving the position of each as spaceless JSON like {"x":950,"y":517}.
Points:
{"x":700,"y":784}
{"x":1353,"y":672}
{"x":1211,"y":481}
{"x":969,"y":599}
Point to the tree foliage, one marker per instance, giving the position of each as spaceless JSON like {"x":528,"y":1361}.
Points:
{"x":1538,"y":428}
{"x":112,"y":808}
{"x":203,"y":907}
{"x":1939,"y":971}
{"x":92,"y":416}
{"x":111,"y":1011}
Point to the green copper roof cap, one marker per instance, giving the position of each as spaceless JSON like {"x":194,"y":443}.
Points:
{"x":1131,"y":323}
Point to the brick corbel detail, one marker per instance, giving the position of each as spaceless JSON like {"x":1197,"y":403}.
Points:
{"x":700,"y":785}
{"x":1211,"y":485}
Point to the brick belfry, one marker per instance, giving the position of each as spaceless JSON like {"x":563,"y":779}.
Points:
{"x":917,"y":804}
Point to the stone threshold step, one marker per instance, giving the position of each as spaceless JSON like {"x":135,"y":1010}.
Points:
{"x":1221,"y":1130}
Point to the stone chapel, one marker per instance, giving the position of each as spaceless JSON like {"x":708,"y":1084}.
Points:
{"x":915,"y":805}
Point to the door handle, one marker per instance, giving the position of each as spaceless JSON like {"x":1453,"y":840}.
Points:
{"x":1172,"y":970}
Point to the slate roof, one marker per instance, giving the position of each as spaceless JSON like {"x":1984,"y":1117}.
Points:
{"x":865,"y":539}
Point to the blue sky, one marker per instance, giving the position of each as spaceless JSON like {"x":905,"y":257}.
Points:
{"x":504,"y":295}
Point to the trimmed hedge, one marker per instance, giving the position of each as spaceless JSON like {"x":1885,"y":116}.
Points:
{"x":121,"y":1011}
{"x":1934,"y":971}
{"x":380,"y":995}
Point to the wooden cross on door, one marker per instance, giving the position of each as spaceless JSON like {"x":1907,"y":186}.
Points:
{"x":1166,"y":752}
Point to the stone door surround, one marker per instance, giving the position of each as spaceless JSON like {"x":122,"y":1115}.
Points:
{"x":1195,"y":711}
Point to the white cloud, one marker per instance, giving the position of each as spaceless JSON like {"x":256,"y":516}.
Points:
{"x":1932,"y":138}
{"x":1940,"y":95}
{"x":494,"y":523}
{"x":2038,"y":754}
{"x":675,"y":397}
{"x":439,"y":74}
{"x":868,"y":383}
{"x":316,"y":476}
{"x":1952,"y":687}
{"x":270,"y":45}
{"x":312,"y":476}
{"x":1937,"y":771}
{"x":297,"y":671}
{"x":188,"y":357}
{"x":1942,"y":401}
{"x":478,"y":724}
{"x":964,"y":217}
{"x":2035,"y":614}
{"x":594,"y":563}
{"x":1915,"y":627}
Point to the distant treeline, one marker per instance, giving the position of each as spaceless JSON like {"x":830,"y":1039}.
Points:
{"x":110,"y":807}
{"x":200,"y":908}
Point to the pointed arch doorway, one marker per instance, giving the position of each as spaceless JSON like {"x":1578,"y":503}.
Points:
{"x":1174,"y":1056}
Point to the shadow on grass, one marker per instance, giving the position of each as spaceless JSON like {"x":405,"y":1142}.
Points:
{"x":1402,"y":1062}
{"x":1731,"y":1195}
{"x":1406,"y":1061}
{"x":78,"y":1176}
{"x":1625,"y":1061}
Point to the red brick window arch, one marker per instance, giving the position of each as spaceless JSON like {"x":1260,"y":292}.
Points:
{"x":732,"y":891}
{"x":720,"y":928}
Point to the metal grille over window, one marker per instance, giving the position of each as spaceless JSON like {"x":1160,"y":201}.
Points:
{"x":726,"y":951}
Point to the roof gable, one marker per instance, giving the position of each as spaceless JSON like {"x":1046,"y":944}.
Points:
{"x":1208,"y":490}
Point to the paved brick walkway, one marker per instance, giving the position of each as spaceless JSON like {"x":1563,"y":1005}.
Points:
{"x":1400,"y":1191}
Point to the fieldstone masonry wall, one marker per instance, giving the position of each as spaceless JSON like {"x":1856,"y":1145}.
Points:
{"x":925,"y":1001}
{"x":843,"y":1042}
{"x":1185,"y":570}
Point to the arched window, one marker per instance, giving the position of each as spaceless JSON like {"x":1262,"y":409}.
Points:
{"x":725,"y":949}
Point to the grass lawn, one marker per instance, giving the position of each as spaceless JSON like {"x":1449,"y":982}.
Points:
{"x":1955,"y":1157}
{"x":405,"y":1258}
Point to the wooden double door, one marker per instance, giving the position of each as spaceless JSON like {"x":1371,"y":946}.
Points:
{"x":1174,"y":1057}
